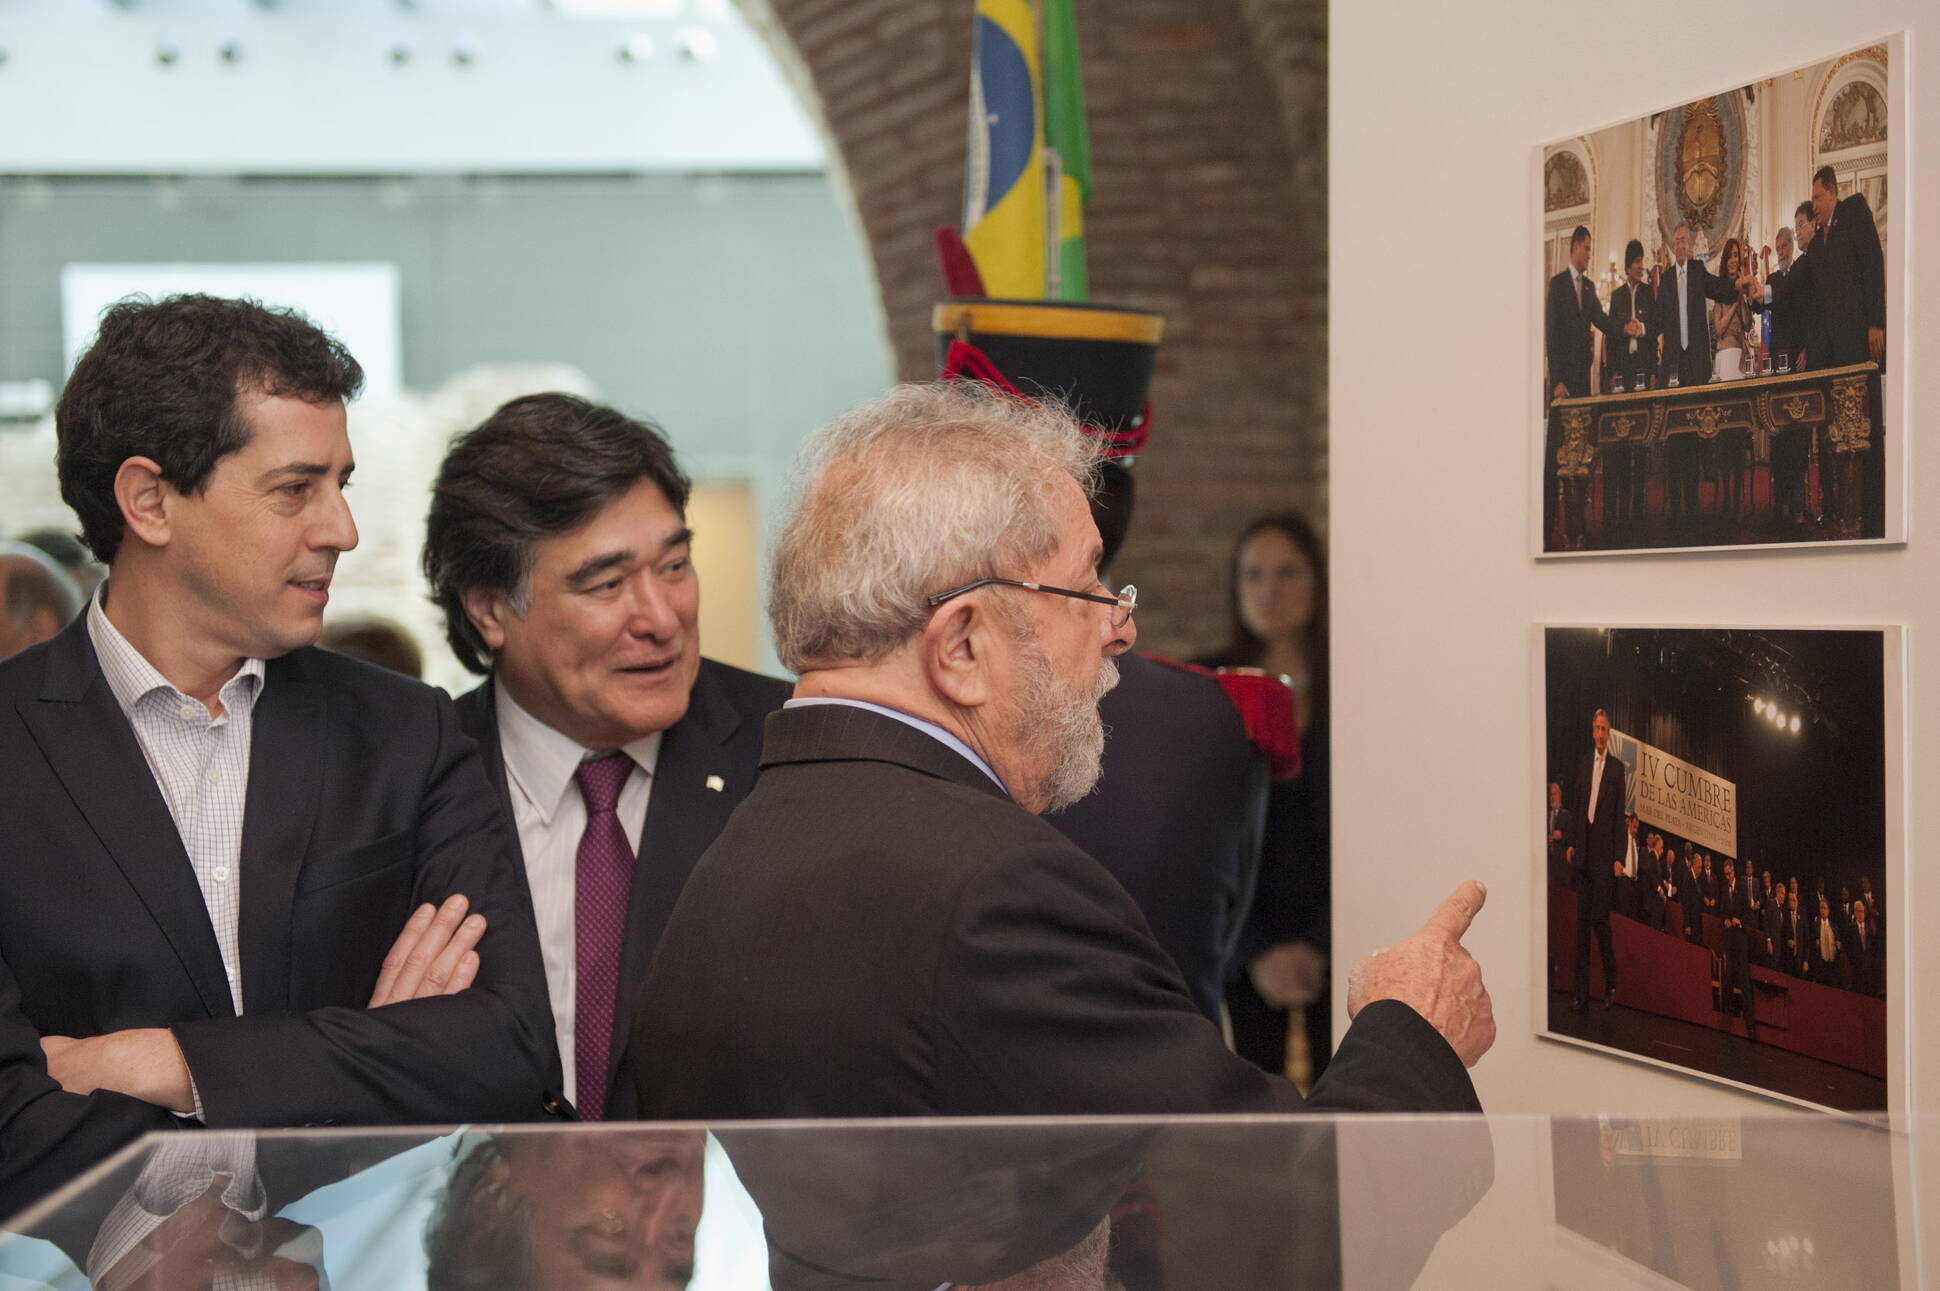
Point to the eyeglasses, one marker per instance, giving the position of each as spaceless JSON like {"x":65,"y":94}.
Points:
{"x":1124,"y":603}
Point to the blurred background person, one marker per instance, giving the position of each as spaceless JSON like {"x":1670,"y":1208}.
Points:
{"x":37,"y":598}
{"x":71,"y":556}
{"x":1279,"y":609}
{"x":375,"y":639}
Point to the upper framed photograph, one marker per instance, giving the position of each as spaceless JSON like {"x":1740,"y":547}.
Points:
{"x":1721,"y":318}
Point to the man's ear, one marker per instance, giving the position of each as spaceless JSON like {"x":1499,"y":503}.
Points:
{"x":488,"y":611}
{"x":957,"y":649}
{"x":143,"y":496}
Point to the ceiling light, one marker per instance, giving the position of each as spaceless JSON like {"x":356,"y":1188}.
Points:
{"x":1795,"y":724}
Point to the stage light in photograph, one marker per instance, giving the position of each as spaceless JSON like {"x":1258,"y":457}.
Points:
{"x":1758,"y":706}
{"x":1795,"y":724}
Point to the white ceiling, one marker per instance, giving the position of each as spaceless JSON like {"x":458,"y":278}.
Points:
{"x":353,"y":86}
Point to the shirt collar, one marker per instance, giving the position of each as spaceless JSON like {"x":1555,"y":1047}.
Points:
{"x":928,"y":728}
{"x":541,"y":760}
{"x":132,"y":678}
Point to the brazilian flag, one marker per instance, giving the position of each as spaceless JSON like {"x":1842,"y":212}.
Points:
{"x":1028,"y":159}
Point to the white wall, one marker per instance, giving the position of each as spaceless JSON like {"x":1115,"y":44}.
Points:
{"x":1437,"y":114}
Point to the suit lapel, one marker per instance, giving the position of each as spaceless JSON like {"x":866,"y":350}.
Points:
{"x":279,"y":814}
{"x":87,"y":740}
{"x":684,"y":815}
{"x":478,"y":717}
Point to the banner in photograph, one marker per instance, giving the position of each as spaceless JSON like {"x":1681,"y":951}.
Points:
{"x":1674,"y":795}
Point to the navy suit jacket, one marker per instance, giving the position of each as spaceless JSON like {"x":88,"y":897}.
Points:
{"x":719,"y":736}
{"x":364,"y":800}
{"x":1178,"y":816}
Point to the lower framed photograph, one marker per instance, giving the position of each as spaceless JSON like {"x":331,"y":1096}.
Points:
{"x":1720,"y":854}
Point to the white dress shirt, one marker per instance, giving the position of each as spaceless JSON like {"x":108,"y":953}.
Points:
{"x":1683,"y":272}
{"x":201,"y":764}
{"x":550,"y":812}
{"x":1596,"y":785}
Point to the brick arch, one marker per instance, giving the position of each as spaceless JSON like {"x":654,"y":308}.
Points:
{"x":1209,"y":160}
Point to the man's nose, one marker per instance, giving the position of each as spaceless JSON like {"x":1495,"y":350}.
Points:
{"x":337,"y":528}
{"x":653,"y":612}
{"x":1123,"y":637}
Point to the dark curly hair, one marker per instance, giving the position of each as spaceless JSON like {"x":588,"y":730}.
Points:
{"x":541,"y":465}
{"x":161,"y":381}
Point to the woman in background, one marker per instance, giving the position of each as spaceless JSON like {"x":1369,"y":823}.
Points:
{"x":1732,"y":326}
{"x":1279,"y":609}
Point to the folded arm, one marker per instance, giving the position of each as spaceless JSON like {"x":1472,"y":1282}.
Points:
{"x":484,"y":1053}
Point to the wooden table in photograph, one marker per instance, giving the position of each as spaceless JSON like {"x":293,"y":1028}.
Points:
{"x":1843,"y":402}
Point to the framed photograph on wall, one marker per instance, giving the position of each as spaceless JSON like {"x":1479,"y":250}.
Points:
{"x":1719,"y":854}
{"x":1721,"y":315}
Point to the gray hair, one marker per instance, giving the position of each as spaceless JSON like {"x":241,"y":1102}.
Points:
{"x":928,"y":487}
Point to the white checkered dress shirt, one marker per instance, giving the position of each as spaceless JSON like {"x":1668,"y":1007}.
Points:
{"x":201,"y":764}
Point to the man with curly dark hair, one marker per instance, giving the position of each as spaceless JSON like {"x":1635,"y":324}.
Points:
{"x":213,"y":833}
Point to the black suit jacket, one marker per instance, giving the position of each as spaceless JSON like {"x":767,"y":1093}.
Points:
{"x":364,"y":800}
{"x":1692,"y":363}
{"x":1737,"y":905}
{"x":1618,"y":360}
{"x":1792,"y":308}
{"x":1849,"y":282}
{"x":1599,"y":842}
{"x":1690,"y":900}
{"x":1566,"y":329}
{"x":1178,"y":815}
{"x":720,"y":735}
{"x":881,"y":931}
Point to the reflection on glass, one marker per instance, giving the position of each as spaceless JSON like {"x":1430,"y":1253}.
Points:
{"x":1034,"y":1205}
{"x":558,"y":1211}
{"x":1719,"y":1203}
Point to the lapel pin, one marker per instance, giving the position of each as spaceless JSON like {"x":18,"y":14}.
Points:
{"x":717,"y":784}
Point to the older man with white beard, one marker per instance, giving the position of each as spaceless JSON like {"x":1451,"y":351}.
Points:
{"x":885,"y":928}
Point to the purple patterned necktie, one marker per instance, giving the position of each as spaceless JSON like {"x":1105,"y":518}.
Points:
{"x":605,"y":880}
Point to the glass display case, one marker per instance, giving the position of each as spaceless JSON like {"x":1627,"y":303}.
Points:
{"x":1046,"y":1205}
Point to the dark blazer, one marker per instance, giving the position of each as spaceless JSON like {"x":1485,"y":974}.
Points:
{"x":881,"y":931}
{"x":1626,"y":303}
{"x":1599,"y":843}
{"x":719,"y":736}
{"x":1849,"y":284}
{"x":1823,"y":969}
{"x":1693,"y":364}
{"x":1790,"y":928}
{"x":1566,"y":331}
{"x":364,"y":800}
{"x":1690,"y":900}
{"x":1791,"y":307}
{"x":1560,"y":869}
{"x":1737,"y":905}
{"x":1770,"y":922}
{"x":1178,"y":815}
{"x":1868,"y":963}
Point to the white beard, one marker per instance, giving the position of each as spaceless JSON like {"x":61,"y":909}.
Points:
{"x":1061,"y":727}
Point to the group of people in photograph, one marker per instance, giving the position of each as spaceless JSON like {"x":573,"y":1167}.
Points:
{"x":1670,"y":884}
{"x":1814,"y":299}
